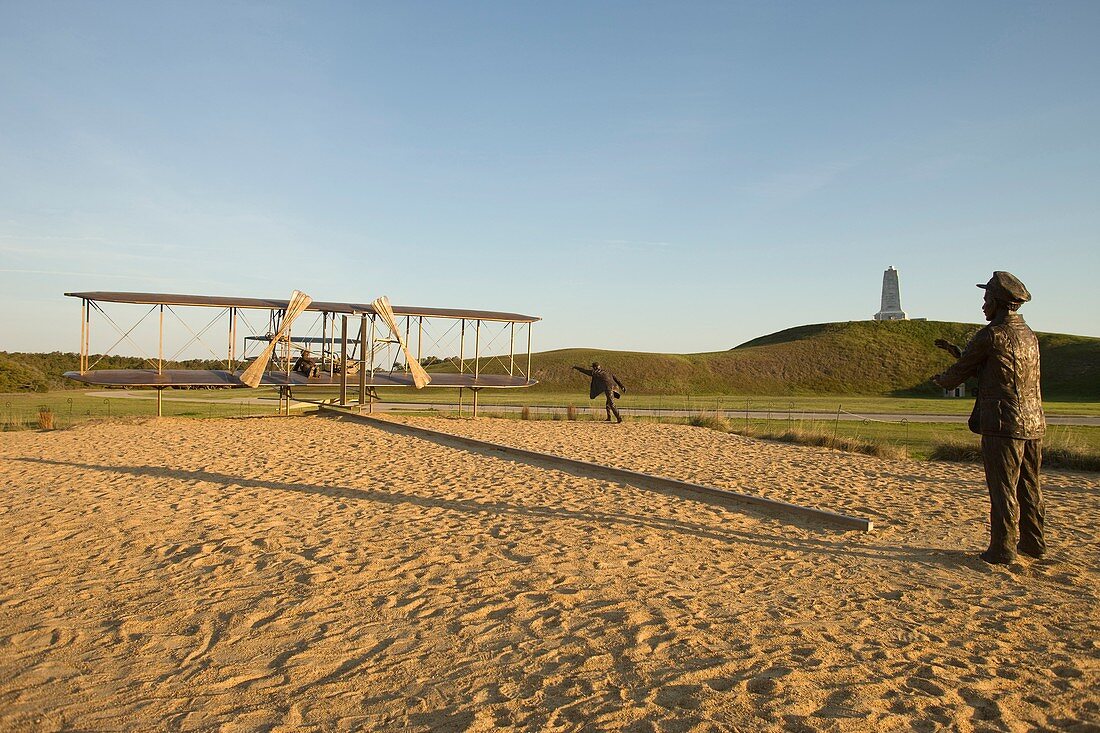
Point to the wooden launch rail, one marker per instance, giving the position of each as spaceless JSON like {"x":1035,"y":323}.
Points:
{"x":610,"y":473}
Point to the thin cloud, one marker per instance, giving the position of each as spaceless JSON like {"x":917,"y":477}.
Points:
{"x":634,"y":244}
{"x":97,"y":247}
{"x":77,"y":273}
{"x":51,"y":238}
{"x":790,"y":186}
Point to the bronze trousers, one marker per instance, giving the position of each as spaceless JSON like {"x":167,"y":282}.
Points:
{"x":1015,"y":497}
{"x":610,"y":407}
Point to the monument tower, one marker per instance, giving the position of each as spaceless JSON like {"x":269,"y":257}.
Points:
{"x":890,"y":308}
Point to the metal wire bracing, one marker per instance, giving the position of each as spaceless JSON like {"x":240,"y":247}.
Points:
{"x":197,"y":337}
{"x":124,"y":337}
{"x":251,"y":331}
{"x":450,"y":341}
{"x":437,"y":342}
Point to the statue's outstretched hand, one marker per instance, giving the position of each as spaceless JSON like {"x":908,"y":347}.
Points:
{"x":949,"y":347}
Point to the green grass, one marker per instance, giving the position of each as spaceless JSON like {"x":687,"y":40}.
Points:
{"x":858,"y":444}
{"x":78,"y":404}
{"x":1076,"y":447}
{"x":1065,"y":446}
{"x":20,"y":411}
{"x":780,"y":405}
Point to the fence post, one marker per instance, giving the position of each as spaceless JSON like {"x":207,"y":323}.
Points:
{"x":836,"y":425}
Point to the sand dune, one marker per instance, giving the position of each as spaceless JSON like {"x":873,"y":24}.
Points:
{"x":309,"y":574}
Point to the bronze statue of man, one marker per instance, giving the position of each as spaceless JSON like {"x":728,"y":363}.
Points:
{"x":1005,"y":357}
{"x":606,"y":383}
{"x":305,"y":364}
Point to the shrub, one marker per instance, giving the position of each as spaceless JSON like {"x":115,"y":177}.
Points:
{"x":1059,"y":451}
{"x":45,"y":418}
{"x":956,"y":451}
{"x":1078,"y":460}
{"x":525,"y":413}
{"x":799,"y":437}
{"x":710,"y":421}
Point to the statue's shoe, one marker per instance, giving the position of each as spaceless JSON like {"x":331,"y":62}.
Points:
{"x":994,"y":558}
{"x":1031,"y":551}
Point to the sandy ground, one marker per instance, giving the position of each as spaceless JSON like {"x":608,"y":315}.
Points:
{"x":310,"y":574}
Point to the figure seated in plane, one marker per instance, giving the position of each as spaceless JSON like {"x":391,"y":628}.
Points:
{"x":305,"y":364}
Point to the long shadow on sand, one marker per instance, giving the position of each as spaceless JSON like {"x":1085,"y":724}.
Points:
{"x":746,"y":503}
{"x":920,"y":555}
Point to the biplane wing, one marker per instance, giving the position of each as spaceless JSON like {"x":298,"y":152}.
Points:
{"x":317,"y":306}
{"x":225,"y":378}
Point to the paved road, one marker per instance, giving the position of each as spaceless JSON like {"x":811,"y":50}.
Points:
{"x":796,"y":415}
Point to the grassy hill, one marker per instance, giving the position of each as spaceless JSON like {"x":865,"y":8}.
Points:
{"x":855,"y":358}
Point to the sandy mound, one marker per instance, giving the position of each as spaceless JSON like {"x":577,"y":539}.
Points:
{"x":309,"y":574}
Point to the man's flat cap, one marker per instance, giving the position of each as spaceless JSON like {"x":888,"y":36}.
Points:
{"x":1006,"y":286}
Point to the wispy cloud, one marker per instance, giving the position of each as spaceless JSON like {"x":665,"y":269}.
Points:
{"x":793,"y":185}
{"x":79,"y":273}
{"x":111,"y":242}
{"x":634,"y":245}
{"x":37,"y":248}
{"x":938,"y":166}
{"x":50,"y":238}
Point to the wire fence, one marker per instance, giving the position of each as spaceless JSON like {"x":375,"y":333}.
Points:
{"x":51,"y":411}
{"x":919,"y":439}
{"x":839,"y":424}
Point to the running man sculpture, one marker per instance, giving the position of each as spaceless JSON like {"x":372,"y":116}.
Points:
{"x":604,"y":382}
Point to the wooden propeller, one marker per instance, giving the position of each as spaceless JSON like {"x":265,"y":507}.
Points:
{"x":383,"y":308}
{"x":299,"y":301}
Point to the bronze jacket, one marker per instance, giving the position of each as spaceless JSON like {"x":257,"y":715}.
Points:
{"x":603,"y":382}
{"x":1005,"y":357}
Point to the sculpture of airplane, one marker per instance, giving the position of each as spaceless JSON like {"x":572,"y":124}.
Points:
{"x":344,"y":360}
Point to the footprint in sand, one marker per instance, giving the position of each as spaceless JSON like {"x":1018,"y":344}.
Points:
{"x":721,"y":684}
{"x":926,"y":686}
{"x":678,"y":696}
{"x":1066,"y":672}
{"x":767,"y":681}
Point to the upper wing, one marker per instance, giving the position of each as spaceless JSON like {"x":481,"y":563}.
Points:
{"x":225,"y":378}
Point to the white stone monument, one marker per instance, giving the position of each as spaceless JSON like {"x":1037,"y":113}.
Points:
{"x":890,"y":309}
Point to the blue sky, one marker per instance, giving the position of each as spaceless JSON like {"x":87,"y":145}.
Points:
{"x":673,"y":177}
